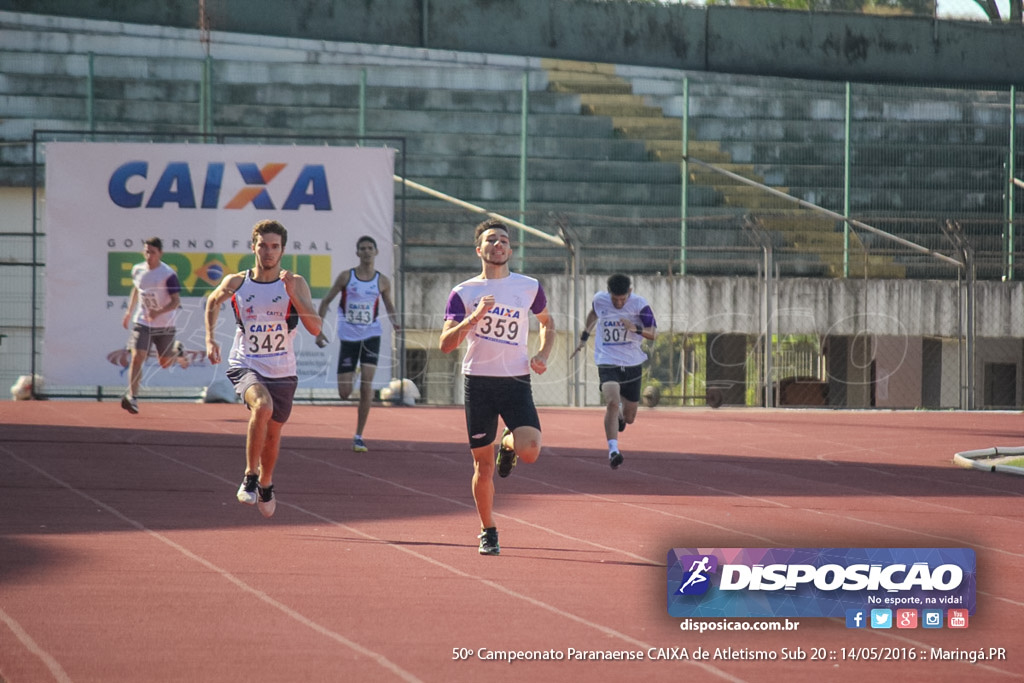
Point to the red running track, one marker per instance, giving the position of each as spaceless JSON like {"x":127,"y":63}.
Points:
{"x":125,"y":557}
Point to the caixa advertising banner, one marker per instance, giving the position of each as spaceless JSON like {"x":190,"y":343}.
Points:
{"x":104,"y":199}
{"x":820,"y":582}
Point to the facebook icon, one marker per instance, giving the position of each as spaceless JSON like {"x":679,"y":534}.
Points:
{"x":856,"y":618}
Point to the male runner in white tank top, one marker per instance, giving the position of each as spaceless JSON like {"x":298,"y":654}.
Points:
{"x":362,"y":290}
{"x":492,"y":311}
{"x":623,"y":320}
{"x":155,"y":299}
{"x":268,"y":303}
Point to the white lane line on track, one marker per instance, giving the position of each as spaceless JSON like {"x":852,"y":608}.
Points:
{"x":770,"y":542}
{"x":879,"y":633}
{"x":844,"y":516}
{"x":464,"y":504}
{"x":540,"y":527}
{"x":383,"y":661}
{"x":21,"y":634}
{"x":606,"y":630}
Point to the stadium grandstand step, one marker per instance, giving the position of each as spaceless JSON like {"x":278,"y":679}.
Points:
{"x":926,"y":156}
{"x":752,"y":198}
{"x":704,"y":176}
{"x":540,"y":169}
{"x":644,"y":127}
{"x":582,"y":193}
{"x":672,"y":150}
{"x":798,"y":119}
{"x":599,"y":104}
{"x":578,"y":77}
{"x":508,"y":147}
{"x":398,"y":98}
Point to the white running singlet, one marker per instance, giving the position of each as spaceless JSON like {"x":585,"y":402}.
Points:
{"x":358,"y":309}
{"x":266,"y":328}
{"x":497,"y":343}
{"x":155,"y":287}
{"x":615,"y":343}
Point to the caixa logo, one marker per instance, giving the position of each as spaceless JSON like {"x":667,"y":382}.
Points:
{"x":132,"y":186}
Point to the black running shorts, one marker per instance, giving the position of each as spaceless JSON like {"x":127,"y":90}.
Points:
{"x":365,"y":352}
{"x":628,"y":378}
{"x":488,"y":398}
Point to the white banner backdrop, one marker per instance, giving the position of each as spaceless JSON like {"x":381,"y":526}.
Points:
{"x":103,"y":200}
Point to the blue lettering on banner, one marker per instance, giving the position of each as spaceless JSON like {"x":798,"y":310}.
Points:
{"x":309,"y":188}
{"x":129,"y":183}
{"x":817,"y":582}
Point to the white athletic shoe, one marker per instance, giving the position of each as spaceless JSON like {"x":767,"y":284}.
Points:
{"x":267,"y":503}
{"x":130,"y":404}
{"x":247,"y":491}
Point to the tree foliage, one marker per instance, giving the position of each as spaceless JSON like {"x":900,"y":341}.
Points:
{"x":992,"y":11}
{"x":907,"y":7}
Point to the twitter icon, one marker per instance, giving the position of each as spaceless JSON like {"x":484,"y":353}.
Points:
{"x":881,"y":618}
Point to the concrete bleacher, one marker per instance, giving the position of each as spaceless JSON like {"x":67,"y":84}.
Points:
{"x":919,"y":155}
{"x":603,"y":142}
{"x":458,"y":115}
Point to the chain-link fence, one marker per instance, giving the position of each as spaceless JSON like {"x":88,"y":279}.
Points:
{"x":762,"y":324}
{"x":768,"y":336}
{"x":763,"y":336}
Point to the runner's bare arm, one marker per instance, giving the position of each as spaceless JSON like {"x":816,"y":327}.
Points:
{"x":228,"y":286}
{"x":298,"y":292}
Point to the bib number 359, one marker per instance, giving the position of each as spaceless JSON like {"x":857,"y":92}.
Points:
{"x":499,"y":328}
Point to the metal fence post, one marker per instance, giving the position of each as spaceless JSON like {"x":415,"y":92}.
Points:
{"x":846,"y":183}
{"x":524,"y":118}
{"x":90,"y":95}
{"x":763,"y":239}
{"x":205,"y":97}
{"x":35,"y":261}
{"x":400,"y":336}
{"x":684,"y":176}
{"x":576,"y":362}
{"x":362,"y":106}
{"x":1011,"y":167}
{"x":955,"y":233}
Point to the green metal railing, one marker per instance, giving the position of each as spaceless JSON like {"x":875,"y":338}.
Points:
{"x":863,"y":132}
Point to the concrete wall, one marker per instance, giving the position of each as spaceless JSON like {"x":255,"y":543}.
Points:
{"x":829,"y":307}
{"x":826,"y":46}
